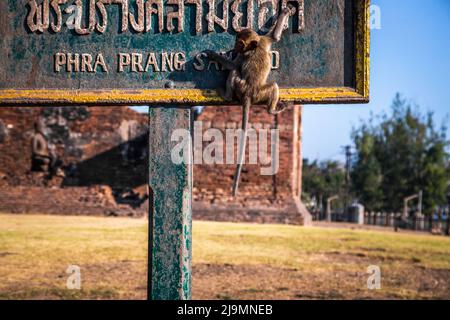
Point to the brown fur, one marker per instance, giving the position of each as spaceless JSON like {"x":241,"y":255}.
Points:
{"x":248,"y":76}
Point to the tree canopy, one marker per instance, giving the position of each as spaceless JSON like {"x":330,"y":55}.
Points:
{"x":398,"y":155}
{"x":322,"y":180}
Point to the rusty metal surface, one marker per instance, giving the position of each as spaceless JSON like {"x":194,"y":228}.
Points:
{"x":171,"y":209}
{"x":317,"y":54}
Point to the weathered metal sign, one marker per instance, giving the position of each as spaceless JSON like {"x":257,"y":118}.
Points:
{"x":150,"y":51}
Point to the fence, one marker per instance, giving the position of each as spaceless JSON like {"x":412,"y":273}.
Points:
{"x":437,"y":223}
{"x":351,"y":216}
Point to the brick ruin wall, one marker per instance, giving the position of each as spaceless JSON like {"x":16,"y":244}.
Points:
{"x":261,"y":198}
{"x":105,"y":156}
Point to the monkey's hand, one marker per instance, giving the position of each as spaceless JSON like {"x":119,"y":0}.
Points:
{"x":282,"y":23}
{"x":228,"y":64}
{"x":282,"y":106}
{"x":209,"y":54}
{"x":286,"y":12}
{"x":212,"y":55}
{"x":290,"y":9}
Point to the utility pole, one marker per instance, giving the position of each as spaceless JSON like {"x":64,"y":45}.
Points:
{"x":348,"y":158}
{"x":419,"y":206}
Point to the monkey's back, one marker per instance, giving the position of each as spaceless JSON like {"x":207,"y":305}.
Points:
{"x":256,"y":68}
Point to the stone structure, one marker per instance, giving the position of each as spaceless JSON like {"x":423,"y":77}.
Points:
{"x":104,"y":156}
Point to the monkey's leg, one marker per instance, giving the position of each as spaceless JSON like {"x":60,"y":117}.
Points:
{"x":240,"y":87}
{"x":242,"y":145}
{"x":270,"y":94}
{"x":228,"y":93}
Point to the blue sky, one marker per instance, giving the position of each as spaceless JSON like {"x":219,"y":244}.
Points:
{"x":410,"y":54}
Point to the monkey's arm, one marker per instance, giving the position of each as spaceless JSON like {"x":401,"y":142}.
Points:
{"x":278,"y":28}
{"x":226,"y":63}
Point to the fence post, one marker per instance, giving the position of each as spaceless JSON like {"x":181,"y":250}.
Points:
{"x":414,"y":222}
{"x":391,"y":219}
{"x":440,"y":221}
{"x":421,"y":222}
{"x":397,"y":219}
{"x":447,"y":217}
{"x":360,"y":214}
{"x":170,"y":217}
{"x":431,"y":221}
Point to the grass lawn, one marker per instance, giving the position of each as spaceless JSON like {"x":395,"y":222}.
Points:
{"x":231,"y":261}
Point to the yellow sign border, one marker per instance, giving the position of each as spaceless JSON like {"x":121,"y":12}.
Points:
{"x":359,"y":94}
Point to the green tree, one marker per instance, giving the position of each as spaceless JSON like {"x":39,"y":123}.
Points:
{"x":397,"y":156}
{"x":366,"y":175}
{"x":322,"y":180}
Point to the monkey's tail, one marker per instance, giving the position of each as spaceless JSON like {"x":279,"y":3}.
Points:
{"x":242,"y":146}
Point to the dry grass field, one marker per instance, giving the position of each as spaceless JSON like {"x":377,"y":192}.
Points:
{"x":231,"y":261}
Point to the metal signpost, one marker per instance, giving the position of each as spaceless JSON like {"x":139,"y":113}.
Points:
{"x":149,"y":52}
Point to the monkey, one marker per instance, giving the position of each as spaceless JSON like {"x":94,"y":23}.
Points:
{"x":247,"y":80}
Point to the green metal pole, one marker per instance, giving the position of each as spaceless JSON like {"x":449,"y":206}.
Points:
{"x":170,"y":218}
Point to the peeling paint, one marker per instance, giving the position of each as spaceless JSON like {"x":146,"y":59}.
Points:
{"x":171,"y":215}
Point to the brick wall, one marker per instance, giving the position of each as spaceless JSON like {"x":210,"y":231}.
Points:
{"x":98,"y":145}
{"x":104,"y":152}
{"x":270,"y":198}
{"x":72,"y":201}
{"x":107,"y":146}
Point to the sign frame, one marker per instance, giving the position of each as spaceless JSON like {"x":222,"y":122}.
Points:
{"x":189,"y":97}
